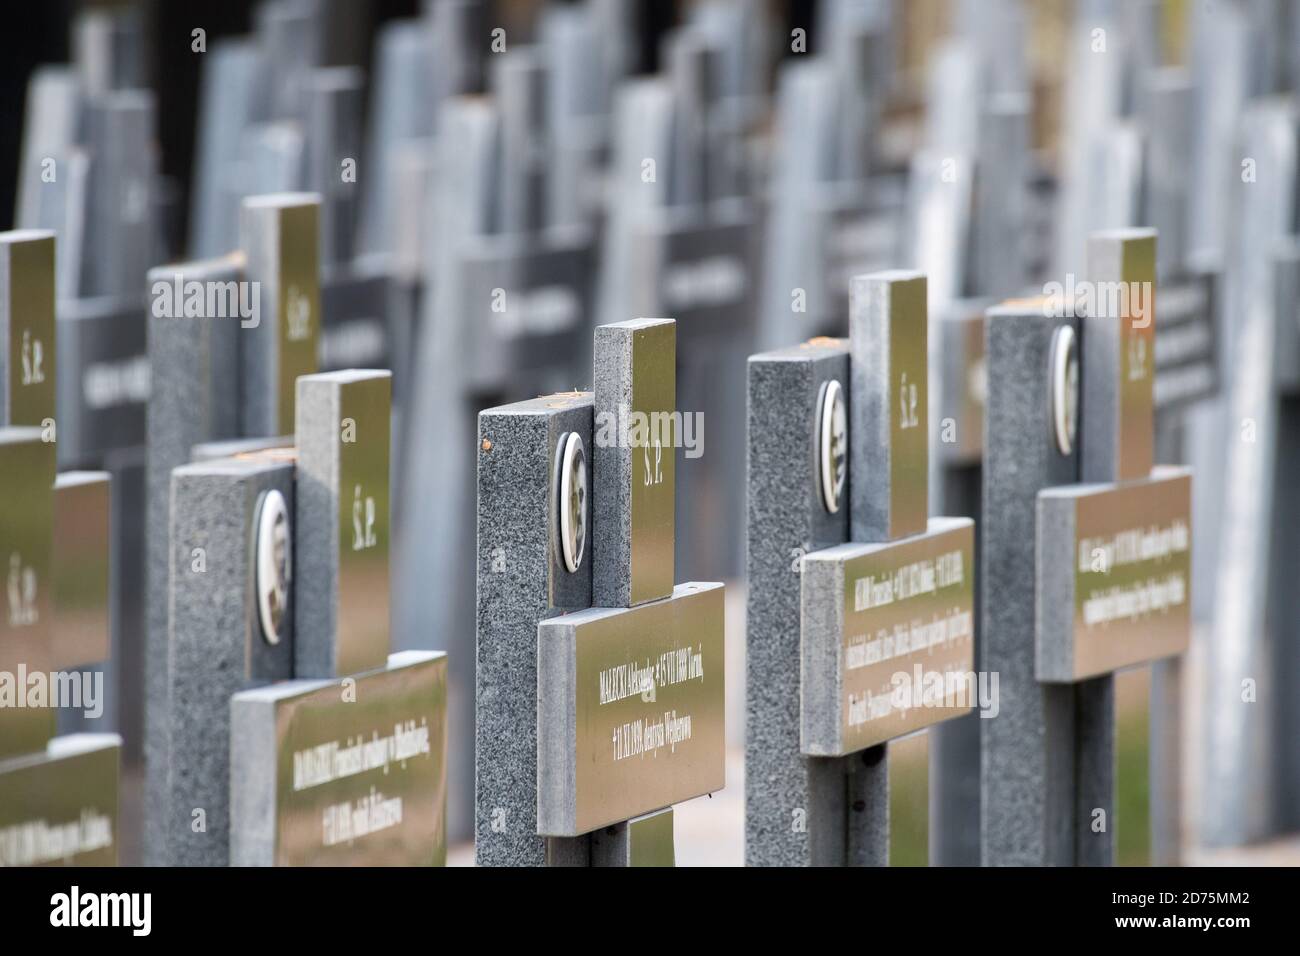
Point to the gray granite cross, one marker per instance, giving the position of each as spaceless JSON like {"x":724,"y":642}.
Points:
{"x":1072,"y":502}
{"x":860,"y":605}
{"x":619,"y":670}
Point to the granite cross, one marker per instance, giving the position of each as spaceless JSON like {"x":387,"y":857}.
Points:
{"x":508,"y":316}
{"x":227,"y":340}
{"x":1072,"y":502}
{"x":578,"y":613}
{"x":860,"y":617}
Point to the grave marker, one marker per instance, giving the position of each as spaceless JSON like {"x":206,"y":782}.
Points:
{"x":847,"y":641}
{"x":629,"y":715}
{"x":214,"y":338}
{"x":1110,"y":559}
{"x":508,"y":316}
{"x":279,"y":571}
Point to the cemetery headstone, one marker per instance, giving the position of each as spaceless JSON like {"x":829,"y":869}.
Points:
{"x":629,"y":696}
{"x":508,"y":316}
{"x":855,"y":596}
{"x":1070,"y":401}
{"x":227,"y":337}
{"x":302,"y":741}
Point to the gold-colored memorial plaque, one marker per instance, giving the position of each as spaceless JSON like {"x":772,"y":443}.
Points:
{"x":349,"y":772}
{"x":654,"y":456}
{"x":28,"y":257}
{"x":298,"y":305}
{"x":908,"y":409}
{"x":80,"y":570}
{"x":1119,"y":360}
{"x":59,"y":806}
{"x":887,"y":638}
{"x":363,"y":594}
{"x":630,"y":710}
{"x":26,"y":616}
{"x":1113,"y":587}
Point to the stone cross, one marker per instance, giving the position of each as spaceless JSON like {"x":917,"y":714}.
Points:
{"x":227,"y":339}
{"x":292,"y":744}
{"x":859,"y":603}
{"x":1071,"y":501}
{"x":508,"y":316}
{"x":578,"y":611}
{"x":279,"y":577}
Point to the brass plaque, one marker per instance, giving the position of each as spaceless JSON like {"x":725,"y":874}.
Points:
{"x":630,"y":710}
{"x":909,"y":400}
{"x":31,"y":342}
{"x":1119,"y":359}
{"x":26,"y":623}
{"x":887,"y":638}
{"x":59,"y":806}
{"x":360,"y":772}
{"x":298,"y":304}
{"x":654,"y":457}
{"x":82,"y":502}
{"x":1138,"y":361}
{"x":363,"y":594}
{"x":1114,"y":575}
{"x":650,"y":840}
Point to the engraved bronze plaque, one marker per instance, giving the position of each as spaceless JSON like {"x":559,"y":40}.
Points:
{"x":630,"y":710}
{"x":31,"y":345}
{"x":654,"y":457}
{"x":82,"y":502}
{"x":1114,"y":575}
{"x":26,"y":622}
{"x":348,"y":772}
{"x":298,"y":305}
{"x":908,"y":403}
{"x":1119,"y":355}
{"x":365,"y":408}
{"x":59,"y":806}
{"x":887,"y":638}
